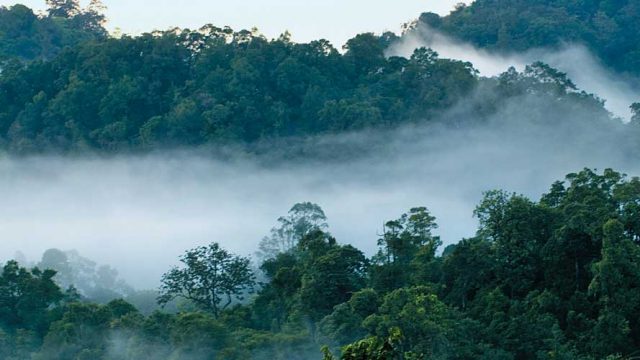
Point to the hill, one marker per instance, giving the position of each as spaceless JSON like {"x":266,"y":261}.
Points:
{"x":609,"y":28}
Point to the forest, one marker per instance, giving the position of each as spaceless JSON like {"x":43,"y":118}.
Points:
{"x":67,"y":87}
{"x":549,"y":278}
{"x":556,"y":278}
{"x":609,"y":28}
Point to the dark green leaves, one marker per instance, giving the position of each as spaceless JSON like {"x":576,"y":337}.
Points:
{"x":211,"y":278}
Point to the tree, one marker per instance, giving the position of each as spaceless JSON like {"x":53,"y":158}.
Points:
{"x":628,"y":197}
{"x":402,"y":238}
{"x":302,"y":219}
{"x":18,"y":27}
{"x":365,"y":52}
{"x":635,"y":111}
{"x":212,"y":278}
{"x":425,"y":321}
{"x":617,"y":286}
{"x":26,"y":296}
{"x":609,"y":29}
{"x":344,"y":324}
{"x":63,"y":8}
{"x":277,"y":296}
{"x":98,"y":283}
{"x":198,"y":336}
{"x":92,"y":18}
{"x":376,"y":348}
{"x":83,"y":331}
{"x":581,"y":208}
{"x":467,"y":270}
{"x":25,"y":36}
{"x":58,"y":261}
{"x":403,"y":241}
{"x":518,"y":229}
{"x":331,"y":279}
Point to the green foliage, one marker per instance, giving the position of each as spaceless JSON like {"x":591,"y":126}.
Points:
{"x":553,"y":279}
{"x":307,"y":282}
{"x":345,"y":324}
{"x":25,"y":297}
{"x":609,"y":28}
{"x":375,"y":348}
{"x":616,"y":283}
{"x":330,"y":279}
{"x":26,"y":36}
{"x":406,"y":242}
{"x":83,"y":331}
{"x":422,"y":318}
{"x":212,"y":278}
{"x":518,"y":229}
{"x":466,"y":271}
{"x":211,"y":86}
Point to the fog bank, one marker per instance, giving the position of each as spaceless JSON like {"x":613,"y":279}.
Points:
{"x":139,"y":213}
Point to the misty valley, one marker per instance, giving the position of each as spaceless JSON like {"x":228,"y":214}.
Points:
{"x":466,"y":188}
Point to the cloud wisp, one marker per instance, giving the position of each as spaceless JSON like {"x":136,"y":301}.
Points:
{"x":584,"y":69}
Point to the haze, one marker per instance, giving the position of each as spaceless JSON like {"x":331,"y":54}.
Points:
{"x":140,"y":213}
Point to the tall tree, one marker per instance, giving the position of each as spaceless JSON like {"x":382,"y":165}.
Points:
{"x":404,"y":240}
{"x":518,"y":229}
{"x":211,"y":278}
{"x":93,"y":19}
{"x":26,"y":297}
{"x":617,"y":286}
{"x":302,"y":219}
{"x":63,"y":8}
{"x":331,"y":279}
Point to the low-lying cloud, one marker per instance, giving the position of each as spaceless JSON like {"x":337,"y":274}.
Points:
{"x":139,"y":213}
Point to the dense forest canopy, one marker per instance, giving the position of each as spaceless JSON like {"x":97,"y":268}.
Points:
{"x":557,"y":278}
{"x":609,"y":28}
{"x":27,"y":36}
{"x":78,"y":89}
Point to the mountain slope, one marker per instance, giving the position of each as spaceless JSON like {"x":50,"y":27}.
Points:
{"x":610,"y":28}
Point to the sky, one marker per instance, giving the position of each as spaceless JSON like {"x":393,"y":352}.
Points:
{"x":335,"y":20}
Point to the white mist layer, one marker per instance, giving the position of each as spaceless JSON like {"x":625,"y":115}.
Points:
{"x":139,"y":214}
{"x":574,"y":60}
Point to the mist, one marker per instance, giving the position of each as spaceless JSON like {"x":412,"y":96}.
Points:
{"x":583,"y":68}
{"x":139,"y":213}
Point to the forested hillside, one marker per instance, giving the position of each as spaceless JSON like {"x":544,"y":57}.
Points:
{"x":83,"y":91}
{"x":27,"y":36}
{"x":557,"y":278}
{"x":609,"y":28}
{"x":192,"y":88}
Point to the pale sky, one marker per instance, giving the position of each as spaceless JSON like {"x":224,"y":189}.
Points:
{"x":335,"y":20}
